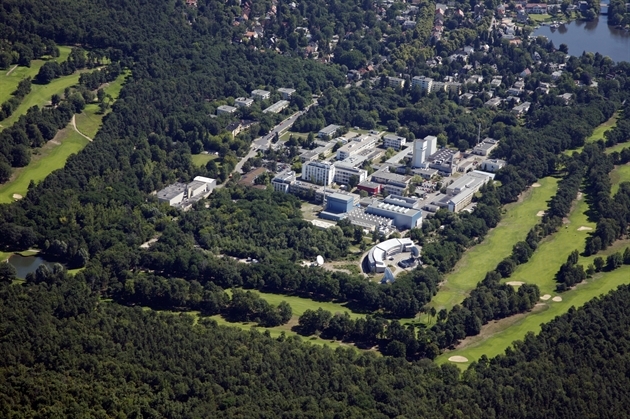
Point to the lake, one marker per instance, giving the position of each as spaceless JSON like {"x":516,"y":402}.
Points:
{"x":595,"y":36}
{"x":27,"y":264}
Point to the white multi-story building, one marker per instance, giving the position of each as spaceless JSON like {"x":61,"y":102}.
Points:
{"x":396,"y":82}
{"x":343,"y":173}
{"x":394,"y":141}
{"x":282,"y":181}
{"x":422,"y":149}
{"x":319,"y":172}
{"x":424,"y":83}
{"x":261,"y":94}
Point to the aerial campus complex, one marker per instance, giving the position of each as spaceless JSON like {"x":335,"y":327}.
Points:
{"x":401,"y":204}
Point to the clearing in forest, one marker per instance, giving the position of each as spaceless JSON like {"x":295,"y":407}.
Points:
{"x":518,"y":219}
{"x":200,"y":160}
{"x":298,"y":305}
{"x":90,"y":119}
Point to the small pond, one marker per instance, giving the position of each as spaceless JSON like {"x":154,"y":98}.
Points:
{"x":27,"y":264}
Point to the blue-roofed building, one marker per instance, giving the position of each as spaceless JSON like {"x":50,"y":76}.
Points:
{"x":339,"y":203}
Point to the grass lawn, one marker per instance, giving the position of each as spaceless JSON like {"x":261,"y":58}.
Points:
{"x":202,"y":159}
{"x":496,"y":343}
{"x":40,"y":95}
{"x":51,"y":157}
{"x":618,"y":175}
{"x":89,"y":121}
{"x":598,"y":132}
{"x":514,"y":226}
{"x":299,"y":305}
{"x":9,"y":83}
{"x":540,"y":18}
{"x":617,"y":147}
{"x":277,"y":331}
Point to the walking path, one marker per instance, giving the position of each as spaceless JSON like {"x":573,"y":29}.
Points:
{"x":74,"y":125}
{"x":11,"y":70}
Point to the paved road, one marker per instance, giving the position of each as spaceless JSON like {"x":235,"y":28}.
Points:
{"x":262,"y":143}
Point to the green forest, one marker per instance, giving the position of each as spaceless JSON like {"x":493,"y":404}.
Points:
{"x":115,"y":327}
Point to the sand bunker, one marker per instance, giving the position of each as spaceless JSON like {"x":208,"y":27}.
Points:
{"x":17,"y":196}
{"x":540,"y":213}
{"x":536,"y":185}
{"x":458,"y":358}
{"x":515,"y":283}
{"x":545,"y":297}
{"x":557,"y":299}
{"x":584,"y":228}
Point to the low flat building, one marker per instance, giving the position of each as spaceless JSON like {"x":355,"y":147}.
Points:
{"x":493,"y":165}
{"x":493,"y":103}
{"x":259,"y":94}
{"x":225,"y":110}
{"x":356,"y":145}
{"x":329,"y":131}
{"x":358,"y":217}
{"x":371,"y":188}
{"x":307,"y":191}
{"x":243,"y":102}
{"x":277,"y":107}
{"x":182,"y":195}
{"x":286,"y":93}
{"x":393,"y":183}
{"x":522,"y":108}
{"x":378,"y":255}
{"x":485,"y":147}
{"x":403,"y":218}
{"x":172,"y":194}
{"x":472,"y":180}
{"x":394,"y":141}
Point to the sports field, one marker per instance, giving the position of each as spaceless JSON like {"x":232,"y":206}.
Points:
{"x":51,"y":157}
{"x":516,"y":222}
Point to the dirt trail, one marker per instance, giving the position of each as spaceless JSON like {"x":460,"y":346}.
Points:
{"x":11,"y":70}
{"x":74,"y":125}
